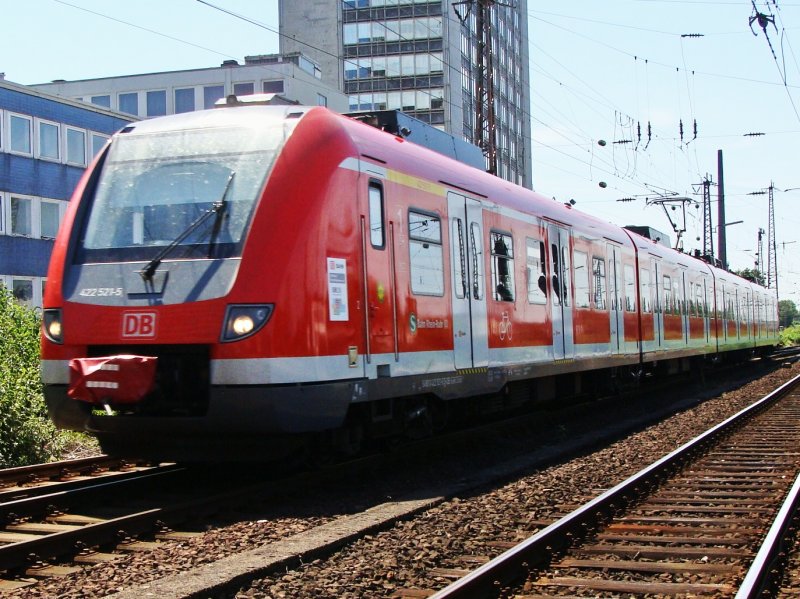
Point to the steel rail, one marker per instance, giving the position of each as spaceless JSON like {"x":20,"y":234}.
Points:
{"x":510,"y":565}
{"x":8,"y":495}
{"x":67,"y":495}
{"x":22,"y":474}
{"x":762,"y":574}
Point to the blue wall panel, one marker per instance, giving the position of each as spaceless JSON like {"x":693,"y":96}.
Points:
{"x":53,"y":110}
{"x":26,"y":176}
{"x":23,"y":256}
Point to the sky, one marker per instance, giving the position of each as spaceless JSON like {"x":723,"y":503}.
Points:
{"x":603,"y":72}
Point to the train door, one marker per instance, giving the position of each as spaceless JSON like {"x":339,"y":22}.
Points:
{"x":470,"y":339}
{"x":722,"y":311}
{"x":560,"y":291}
{"x":379,"y":279}
{"x":706,"y":310}
{"x":683,"y":305}
{"x":617,"y":321}
{"x":658,"y":308}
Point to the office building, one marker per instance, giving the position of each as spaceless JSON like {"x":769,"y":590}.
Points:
{"x":293,"y":76}
{"x":46,"y":142}
{"x":421,"y":57}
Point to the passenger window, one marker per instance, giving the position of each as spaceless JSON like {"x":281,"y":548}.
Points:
{"x":535,"y":264}
{"x":580,"y":262}
{"x":377,"y":235}
{"x":425,"y":246}
{"x":599,"y":278}
{"x":644,"y":275}
{"x":630,"y":288}
{"x":667,"y":294}
{"x":503,"y":267}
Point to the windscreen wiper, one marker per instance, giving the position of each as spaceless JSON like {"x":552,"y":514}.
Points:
{"x":216,"y":208}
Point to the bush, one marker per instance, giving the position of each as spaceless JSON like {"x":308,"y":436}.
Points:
{"x":790,"y":335}
{"x":26,"y":435}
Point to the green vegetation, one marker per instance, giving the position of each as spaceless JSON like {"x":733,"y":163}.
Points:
{"x":791,"y":335}
{"x":787,"y":312}
{"x":26,"y":435}
{"x":752,"y":274}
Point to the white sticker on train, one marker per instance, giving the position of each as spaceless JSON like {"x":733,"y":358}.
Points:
{"x":337,"y":289}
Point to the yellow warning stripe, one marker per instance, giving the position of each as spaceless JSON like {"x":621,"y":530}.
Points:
{"x":415,"y":182}
{"x":473,"y":370}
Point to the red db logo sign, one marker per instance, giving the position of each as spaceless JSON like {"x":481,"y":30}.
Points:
{"x":139,"y":325}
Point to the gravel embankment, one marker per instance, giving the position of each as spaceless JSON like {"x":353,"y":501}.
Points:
{"x":472,"y":524}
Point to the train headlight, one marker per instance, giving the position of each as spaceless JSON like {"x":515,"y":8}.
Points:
{"x":51,"y":324}
{"x":242,"y":321}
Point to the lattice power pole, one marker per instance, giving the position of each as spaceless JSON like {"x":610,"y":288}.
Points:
{"x":484,"y":130}
{"x":772,"y":245}
{"x":708,"y":229}
{"x":760,"y":251}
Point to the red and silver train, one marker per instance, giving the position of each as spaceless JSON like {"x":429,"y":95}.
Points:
{"x":229,"y":281}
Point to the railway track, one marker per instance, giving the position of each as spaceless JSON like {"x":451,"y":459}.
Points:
{"x":41,"y":479}
{"x":690,"y":524}
{"x":146,"y":519}
{"x":73,"y":518}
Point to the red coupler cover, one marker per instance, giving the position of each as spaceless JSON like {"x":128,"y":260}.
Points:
{"x":111,"y":379}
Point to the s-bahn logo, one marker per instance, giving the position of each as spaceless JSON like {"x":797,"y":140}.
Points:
{"x":139,"y":325}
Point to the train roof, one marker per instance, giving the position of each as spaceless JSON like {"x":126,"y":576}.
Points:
{"x":409,"y":158}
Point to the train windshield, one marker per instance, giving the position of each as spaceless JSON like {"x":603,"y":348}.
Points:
{"x":154,"y":186}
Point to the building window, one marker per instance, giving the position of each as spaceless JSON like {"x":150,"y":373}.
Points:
{"x":157,"y":103}
{"x":22,"y":289}
{"x":20,"y":134}
{"x":272,"y":87}
{"x":76,"y":147}
{"x":322,"y":100}
{"x":2,"y":215}
{"x":98,"y":141}
{"x":212,"y":93}
{"x":129,"y":103}
{"x":21,"y":220}
{"x":425,"y":246}
{"x":49,"y":142}
{"x":184,"y":100}
{"x":50,"y":215}
{"x":243,"y":89}
{"x":104,"y":101}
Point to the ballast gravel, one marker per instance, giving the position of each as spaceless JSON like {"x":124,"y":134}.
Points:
{"x":426,"y":551}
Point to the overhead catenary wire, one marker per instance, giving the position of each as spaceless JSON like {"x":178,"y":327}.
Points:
{"x":579,"y":143}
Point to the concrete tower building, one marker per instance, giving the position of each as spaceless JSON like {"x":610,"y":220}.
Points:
{"x":422,"y":57}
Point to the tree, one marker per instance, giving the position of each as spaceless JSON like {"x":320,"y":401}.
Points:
{"x":787,"y":312}
{"x":752,"y":274}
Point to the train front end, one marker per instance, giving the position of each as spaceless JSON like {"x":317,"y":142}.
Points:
{"x":140,"y":292}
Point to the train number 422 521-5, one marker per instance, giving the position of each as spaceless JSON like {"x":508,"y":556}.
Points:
{"x":101,"y":292}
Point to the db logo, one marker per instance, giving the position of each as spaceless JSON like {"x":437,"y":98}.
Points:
{"x":141,"y":325}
